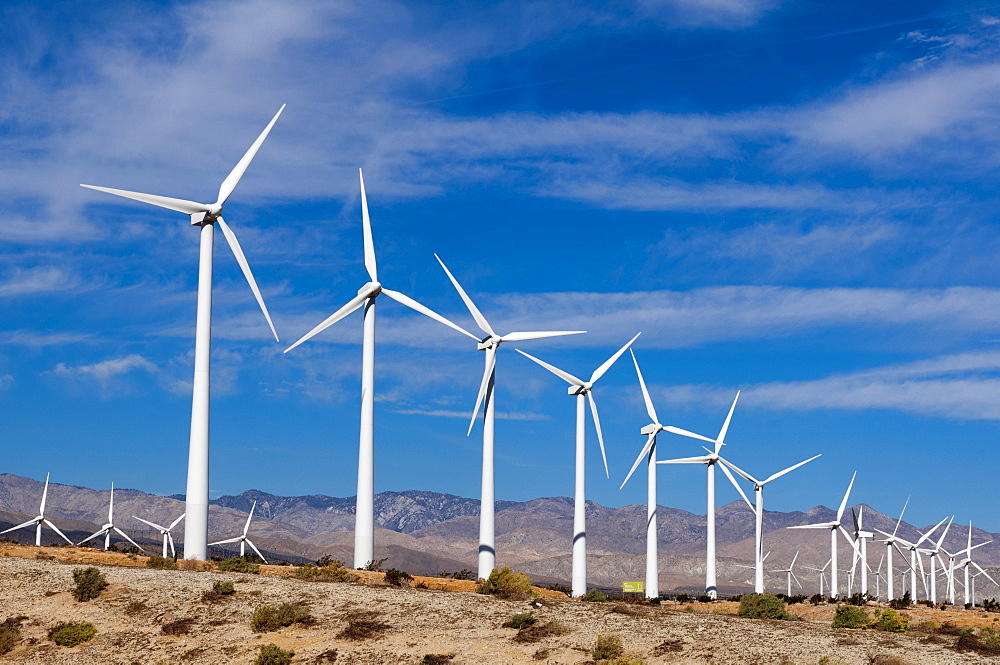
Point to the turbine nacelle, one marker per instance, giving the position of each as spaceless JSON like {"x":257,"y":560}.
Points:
{"x":489,"y":342}
{"x":652,"y":428}
{"x":580,"y":390}
{"x":371,"y":289}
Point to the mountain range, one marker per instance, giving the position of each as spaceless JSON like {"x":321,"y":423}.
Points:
{"x":430,"y":533}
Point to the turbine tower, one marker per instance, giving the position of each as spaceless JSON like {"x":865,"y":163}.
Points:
{"x":242,"y":539}
{"x":165,"y":532}
{"x":583,"y":391}
{"x":39,"y":520}
{"x":649,"y":452}
{"x":364,"y":514}
{"x":834,"y":526}
{"x":890,"y":544}
{"x":915,"y":559}
{"x":489,"y":344}
{"x":205,"y":215}
{"x":758,"y":510}
{"x":109,"y":526}
{"x":790,"y":575}
{"x":710,"y":460}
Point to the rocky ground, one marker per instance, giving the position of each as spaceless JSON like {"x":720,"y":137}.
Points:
{"x":162,"y":616}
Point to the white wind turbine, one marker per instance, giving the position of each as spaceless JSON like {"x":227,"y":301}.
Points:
{"x":40,"y":519}
{"x":860,"y":545}
{"x":790,"y":575}
{"x":165,"y":532}
{"x":109,"y":526}
{"x":205,"y":215}
{"x":583,"y":391}
{"x":489,"y":344}
{"x":758,"y":510}
{"x":933,"y":553}
{"x":915,"y":559}
{"x":243,"y":540}
{"x":878,"y":578}
{"x":364,"y":515}
{"x":967,"y":561}
{"x":834,"y":526}
{"x":890,"y":543}
{"x":649,"y":452}
{"x":822,"y":574}
{"x":710,"y":460}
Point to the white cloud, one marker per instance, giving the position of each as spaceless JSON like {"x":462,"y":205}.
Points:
{"x":42,"y":279}
{"x":466,"y":415}
{"x":110,"y":376}
{"x":6,"y":381}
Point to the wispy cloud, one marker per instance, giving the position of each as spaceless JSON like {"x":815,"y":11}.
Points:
{"x":108,"y":375}
{"x":502,"y":415}
{"x":30,"y":281}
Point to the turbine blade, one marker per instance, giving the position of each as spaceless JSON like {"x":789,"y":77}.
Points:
{"x":31,"y":522}
{"x":600,"y":435}
{"x":645,"y":393}
{"x":645,"y":451}
{"x":522,"y":336}
{"x":246,"y":527}
{"x":945,"y":533}
{"x":854,"y":516}
{"x":125,"y":536}
{"x":789,"y":469}
{"x":824,"y":525}
{"x":92,"y":536}
{"x":932,"y":530}
{"x":254,"y":548}
{"x":565,"y":376}
{"x":691,"y":435}
{"x":739,"y":489}
{"x":426,"y":311}
{"x":56,"y":529}
{"x":155,"y":526}
{"x":233,"y":179}
{"x":606,"y":365}
{"x":45,"y":493}
{"x":491,"y":363}
{"x":847,"y":494}
{"x":743,"y":474}
{"x":234,"y":245}
{"x":704,"y":459}
{"x":227,"y":541}
{"x":366,"y":224}
{"x":900,"y":520}
{"x":980,"y":569}
{"x":352,"y":305}
{"x":170,"y":541}
{"x":176,"y":522}
{"x":481,"y":321}
{"x":719,"y":442}
{"x":180,"y":205}
{"x":111,"y":505}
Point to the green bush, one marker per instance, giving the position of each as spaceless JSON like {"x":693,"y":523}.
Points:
{"x":332,"y":570}
{"x":537,"y":632}
{"x":375,"y":564}
{"x":607,"y":647}
{"x":507,"y":584}
{"x":272,"y":654}
{"x":901,"y":603}
{"x":223,"y":587}
{"x":160,"y":562}
{"x":594,"y":596}
{"x":682,"y":598}
{"x":397,"y":577}
{"x":764,"y":606}
{"x":988,"y":635}
{"x":267,"y":618}
{"x":890,"y":621}
{"x":90,"y":582}
{"x":817,"y":598}
{"x":519,"y":621}
{"x":238,"y":564}
{"x":850,"y":616}
{"x":10,"y":634}
{"x":72,"y":633}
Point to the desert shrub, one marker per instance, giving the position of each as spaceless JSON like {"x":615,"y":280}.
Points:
{"x":858,"y":599}
{"x":267,"y":618}
{"x":332,"y":570}
{"x":925,"y":603}
{"x":704,"y":598}
{"x":561,"y":588}
{"x":437,"y":658}
{"x":606,"y":647}
{"x":272,"y":654}
{"x":850,"y":616}
{"x":163,"y":563}
{"x":793,"y":600}
{"x":238,"y":564}
{"x":683,"y":598}
{"x":375,"y":564}
{"x":890,"y":621}
{"x":464,"y":574}
{"x":537,"y":633}
{"x":506,"y":583}
{"x":90,"y":582}
{"x":594,"y":596}
{"x":991,"y":604}
{"x":521,"y":620}
{"x":361,"y":625}
{"x":10,"y":634}
{"x":72,"y":633}
{"x":653,"y":601}
{"x":622,"y":660}
{"x":764,"y":606}
{"x":397,"y":577}
{"x":220,"y":589}
{"x":901,"y":603}
{"x":179,"y":627}
{"x":817,"y":599}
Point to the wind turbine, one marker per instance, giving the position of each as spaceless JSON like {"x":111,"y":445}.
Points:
{"x":582,"y":389}
{"x":860,"y":545}
{"x":489,"y":344}
{"x":890,"y":544}
{"x":109,"y":526}
{"x":205,"y":215}
{"x":833,"y":526}
{"x":40,"y":519}
{"x":649,"y":452}
{"x":243,"y":540}
{"x":364,"y":514}
{"x":822,"y":574}
{"x":758,"y":510}
{"x":790,"y":575}
{"x":165,"y":532}
{"x":878,"y":579}
{"x":967,"y":561}
{"x":710,"y":460}
{"x":915,"y":559}
{"x":933,"y":553}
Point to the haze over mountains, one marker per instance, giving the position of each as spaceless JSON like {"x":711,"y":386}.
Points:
{"x":429,"y":533}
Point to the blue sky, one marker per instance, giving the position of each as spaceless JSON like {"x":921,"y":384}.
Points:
{"x":793,"y":199}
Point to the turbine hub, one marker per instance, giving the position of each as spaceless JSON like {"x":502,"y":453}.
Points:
{"x":490,"y":341}
{"x":651,"y":428}
{"x":371,"y":288}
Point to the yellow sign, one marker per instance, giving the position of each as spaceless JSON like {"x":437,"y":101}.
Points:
{"x":633,"y":587}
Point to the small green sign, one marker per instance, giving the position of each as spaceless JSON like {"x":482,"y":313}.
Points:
{"x":633,"y":587}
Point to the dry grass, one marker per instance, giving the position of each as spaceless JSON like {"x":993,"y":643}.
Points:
{"x":362,"y":625}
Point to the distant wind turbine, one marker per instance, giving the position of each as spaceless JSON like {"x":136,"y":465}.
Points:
{"x":40,"y":519}
{"x":834,"y":526}
{"x":790,"y":574}
{"x":243,"y":540}
{"x":109,"y":526}
{"x":915,"y":559}
{"x":165,"y":532}
{"x":890,"y":544}
{"x":205,"y":215}
{"x":583,"y":391}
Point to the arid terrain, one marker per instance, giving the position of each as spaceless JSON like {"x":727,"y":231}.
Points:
{"x":162,"y":616}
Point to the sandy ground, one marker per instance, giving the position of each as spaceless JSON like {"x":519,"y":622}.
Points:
{"x":131,"y":614}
